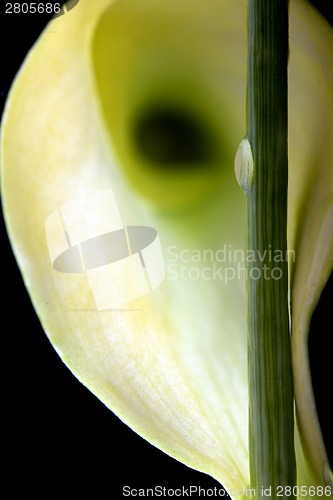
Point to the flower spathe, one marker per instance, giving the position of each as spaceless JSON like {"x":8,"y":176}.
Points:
{"x":172,"y":364}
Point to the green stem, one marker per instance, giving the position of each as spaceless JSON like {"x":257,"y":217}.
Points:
{"x":271,"y":420}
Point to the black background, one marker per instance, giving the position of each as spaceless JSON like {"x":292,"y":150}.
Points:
{"x":60,"y":438}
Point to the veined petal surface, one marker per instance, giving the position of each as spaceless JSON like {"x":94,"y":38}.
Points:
{"x":170,"y":363}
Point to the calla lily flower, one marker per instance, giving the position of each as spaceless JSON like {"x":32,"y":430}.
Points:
{"x":128,"y":225}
